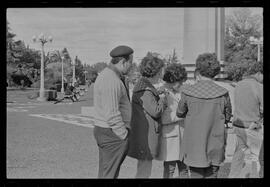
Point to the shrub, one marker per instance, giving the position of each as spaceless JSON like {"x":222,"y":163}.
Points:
{"x":236,"y":71}
{"x":47,"y":84}
{"x":21,"y":80}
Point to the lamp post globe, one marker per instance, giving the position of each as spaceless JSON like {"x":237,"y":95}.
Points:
{"x":41,"y":36}
{"x":34,"y":38}
{"x":50,"y":38}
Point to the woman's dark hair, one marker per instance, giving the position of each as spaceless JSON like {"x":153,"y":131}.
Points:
{"x":115,"y":60}
{"x":208,"y":65}
{"x":150,"y":66}
{"x":175,"y":73}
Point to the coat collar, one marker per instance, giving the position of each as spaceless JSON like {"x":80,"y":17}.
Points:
{"x":144,"y":84}
{"x":205,"y":89}
{"x":116,"y":71}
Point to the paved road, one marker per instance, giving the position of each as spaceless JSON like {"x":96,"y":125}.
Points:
{"x":54,"y":141}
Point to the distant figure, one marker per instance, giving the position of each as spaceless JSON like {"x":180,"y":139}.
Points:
{"x":71,"y":90}
{"x":206,"y":108}
{"x":112,"y":112}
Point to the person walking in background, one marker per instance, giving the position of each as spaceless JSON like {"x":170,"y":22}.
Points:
{"x":147,"y":108}
{"x":248,"y":119}
{"x":112,"y":112}
{"x":172,"y":126}
{"x":206,"y":108}
{"x":70,"y":90}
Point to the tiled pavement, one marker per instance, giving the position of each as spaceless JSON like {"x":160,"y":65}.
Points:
{"x":79,"y":120}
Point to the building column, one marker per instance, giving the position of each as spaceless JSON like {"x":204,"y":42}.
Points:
{"x":203,"y":32}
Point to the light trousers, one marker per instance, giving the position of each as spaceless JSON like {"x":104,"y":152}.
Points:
{"x":245,"y":163}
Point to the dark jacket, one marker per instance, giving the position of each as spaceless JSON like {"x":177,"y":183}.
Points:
{"x":206,"y":108}
{"x":145,"y":121}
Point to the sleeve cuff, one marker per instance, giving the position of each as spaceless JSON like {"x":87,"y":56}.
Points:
{"x":121,"y":132}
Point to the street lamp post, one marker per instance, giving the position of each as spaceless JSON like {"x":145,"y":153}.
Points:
{"x":73,"y":75}
{"x":62,"y":88}
{"x":257,"y":42}
{"x":42,"y":39}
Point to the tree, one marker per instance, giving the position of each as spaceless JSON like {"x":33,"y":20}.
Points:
{"x":99,"y":66}
{"x":19,"y":76}
{"x":10,"y":70}
{"x":29,"y":57}
{"x":10,"y":44}
{"x":79,"y":69}
{"x":134,"y":73}
{"x":240,"y":26}
{"x":171,"y":58}
{"x":54,"y":72}
{"x":67,"y":58}
{"x":92,"y":75}
{"x":54,"y":56}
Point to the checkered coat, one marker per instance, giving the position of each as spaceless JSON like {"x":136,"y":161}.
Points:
{"x":206,"y":107}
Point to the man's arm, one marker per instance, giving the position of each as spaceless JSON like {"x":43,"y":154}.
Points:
{"x":227,"y":109}
{"x":151,"y":106}
{"x":111,"y":98}
{"x":261,"y":99}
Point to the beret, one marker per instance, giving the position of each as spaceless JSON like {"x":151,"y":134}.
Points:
{"x":120,"y":51}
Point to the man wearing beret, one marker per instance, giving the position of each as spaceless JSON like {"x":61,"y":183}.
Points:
{"x":113,"y":112}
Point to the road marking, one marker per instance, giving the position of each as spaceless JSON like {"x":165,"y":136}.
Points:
{"x":25,"y":107}
{"x":68,"y":118}
{"x":16,"y":110}
{"x":38,"y":104}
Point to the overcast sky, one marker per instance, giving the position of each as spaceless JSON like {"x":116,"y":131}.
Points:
{"x":91,"y":33}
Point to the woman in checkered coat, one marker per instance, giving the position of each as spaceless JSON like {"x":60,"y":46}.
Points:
{"x":206,"y":107}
